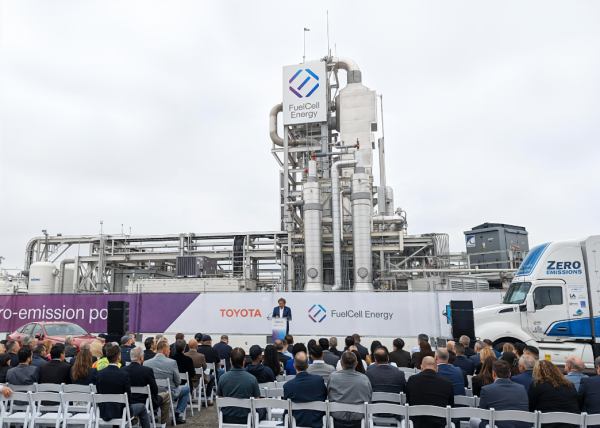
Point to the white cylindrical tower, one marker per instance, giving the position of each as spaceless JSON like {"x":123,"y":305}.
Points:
{"x":361,"y":227}
{"x":313,"y":230}
{"x":42,"y":277}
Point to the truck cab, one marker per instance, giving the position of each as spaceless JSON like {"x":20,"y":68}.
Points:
{"x":549,"y":302}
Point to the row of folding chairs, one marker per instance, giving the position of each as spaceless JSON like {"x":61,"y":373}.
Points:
{"x":285,"y":378}
{"x":405,"y":412}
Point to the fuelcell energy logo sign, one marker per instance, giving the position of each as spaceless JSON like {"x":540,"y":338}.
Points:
{"x":317,"y":313}
{"x":304,"y":82}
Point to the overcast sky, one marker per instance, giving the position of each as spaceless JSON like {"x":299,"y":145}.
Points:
{"x":155,"y":114}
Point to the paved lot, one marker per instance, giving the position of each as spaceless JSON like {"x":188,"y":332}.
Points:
{"x":206,"y":418}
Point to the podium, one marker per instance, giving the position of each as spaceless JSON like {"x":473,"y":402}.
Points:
{"x":279,"y":328}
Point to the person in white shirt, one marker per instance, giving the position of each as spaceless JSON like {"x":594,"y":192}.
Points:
{"x":422,"y":338}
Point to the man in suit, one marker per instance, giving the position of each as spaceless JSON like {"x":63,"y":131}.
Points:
{"x":39,"y":356}
{"x":143,"y":376}
{"x":283,"y":311}
{"x":574,"y":366}
{"x":199,"y":361}
{"x":290,"y":342}
{"x":453,"y":374}
{"x":262,"y":373}
{"x":490,"y":345}
{"x":166,"y":368}
{"x":398,"y":356}
{"x":224,"y":350}
{"x":526,"y":365}
{"x":184,"y":363}
{"x":305,"y":387}
{"x":70,"y":348}
{"x":283,"y":359}
{"x":333,"y":343}
{"x":150,"y":346}
{"x":383,"y":377}
{"x":319,"y":367}
{"x":56,"y":370}
{"x":361,"y":349}
{"x":428,"y":388}
{"x":178,"y":336}
{"x":328,"y":356}
{"x":588,"y":396}
{"x":502,"y":395}
{"x":112,"y":380}
{"x":466,"y":341}
{"x":462,"y":362}
{"x":24,"y":373}
{"x":479,"y":345}
{"x":12,"y":348}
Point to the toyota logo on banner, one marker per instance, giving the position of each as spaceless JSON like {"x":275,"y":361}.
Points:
{"x":317,"y":313}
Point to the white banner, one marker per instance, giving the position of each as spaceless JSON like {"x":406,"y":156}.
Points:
{"x":305,"y":93}
{"x":369,"y":314}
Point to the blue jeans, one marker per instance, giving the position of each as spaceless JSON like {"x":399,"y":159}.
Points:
{"x":219,"y":373}
{"x":183,"y":397}
{"x":210,"y":385}
{"x":139,"y":410}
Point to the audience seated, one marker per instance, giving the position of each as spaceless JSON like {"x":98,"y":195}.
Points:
{"x":211,"y":354}
{"x":329,"y":356}
{"x":502,"y":395}
{"x":150,"y":346}
{"x":262,"y":373}
{"x":82,"y":372}
{"x":360,"y":361}
{"x":140,"y":375}
{"x":485,"y":376}
{"x":184,"y":363}
{"x":574,"y":367}
{"x":224,"y":350}
{"x":112,"y":380}
{"x":199,"y":361}
{"x":126,"y":347}
{"x":348,"y":386}
{"x":4,"y":366}
{"x":451,"y":353}
{"x":96,"y":346}
{"x":508,"y":347}
{"x":272,"y":361}
{"x":361,"y":349}
{"x":238,"y":383}
{"x":178,"y":336}
{"x":24,"y":373}
{"x":290,"y":342}
{"x":490,"y":345}
{"x":519,"y":349}
{"x":70,"y":349}
{"x":56,"y":370}
{"x":82,"y":346}
{"x":306,"y":387}
{"x":479,"y":346}
{"x":102,"y":363}
{"x":333,"y":344}
{"x":39,"y":356}
{"x":462,"y":361}
{"x":453,"y":374}
{"x":526,"y":364}
{"x":588,"y":395}
{"x":424,"y":351}
{"x":421,"y":338}
{"x":12,"y":348}
{"x":428,"y":388}
{"x":289,"y":365}
{"x":319,"y":366}
{"x":466,"y":341}
{"x":533,"y":351}
{"x":283,"y":359}
{"x":398,"y":356}
{"x":513,"y":362}
{"x":166,"y":368}
{"x":384,"y":377}
{"x":551,"y":392}
{"x":370,"y":360}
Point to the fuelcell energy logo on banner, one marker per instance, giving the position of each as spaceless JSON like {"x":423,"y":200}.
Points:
{"x":303,"y":86}
{"x":315,"y":312}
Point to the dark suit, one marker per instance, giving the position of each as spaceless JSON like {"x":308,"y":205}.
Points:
{"x":330,"y":358}
{"x":429,"y":389}
{"x":504,"y":394}
{"x":525,"y":379}
{"x":14,"y":360}
{"x":401,"y":358}
{"x":112,"y":380}
{"x":454,"y":375}
{"x":334,"y":351}
{"x":386,"y":378}
{"x":469,"y":352}
{"x":476,"y":359}
{"x":287,"y":313}
{"x":465,"y":364}
{"x":283,"y":358}
{"x":362,"y":350}
{"x":589,"y":396}
{"x":55,"y":371}
{"x":142,"y":376}
{"x":149,"y":354}
{"x":303,"y":388}
{"x":185,"y":365}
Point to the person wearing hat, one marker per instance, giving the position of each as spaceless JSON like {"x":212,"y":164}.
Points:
{"x":262,"y":373}
{"x":126,"y":348}
{"x":96,"y":346}
{"x":211,"y":354}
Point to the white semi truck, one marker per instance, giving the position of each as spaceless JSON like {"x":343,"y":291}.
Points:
{"x":553,"y":302}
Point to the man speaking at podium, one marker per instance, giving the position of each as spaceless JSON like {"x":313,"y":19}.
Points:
{"x":283,"y":311}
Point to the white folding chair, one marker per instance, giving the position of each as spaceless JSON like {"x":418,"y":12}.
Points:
{"x":385,"y":398}
{"x":591,"y":420}
{"x":85,"y":417}
{"x":123,"y":421}
{"x":468,"y":392}
{"x":514,"y":415}
{"x":465,"y":401}
{"x":212,"y":369}
{"x":470,"y":412}
{"x":280,"y":383}
{"x":280,"y":378}
{"x":270,"y":385}
{"x":289,"y":377}
{"x":145,"y":390}
{"x":50,"y":387}
{"x":202,"y":392}
{"x":470,"y":379}
{"x":271,"y":404}
{"x":224,"y":365}
{"x":560,"y":418}
{"x":164,"y":383}
{"x":407,"y":370}
{"x":245,"y":403}
{"x":39,"y":416}
{"x":188,"y":382}
{"x":84,"y":389}
{"x":344,"y":407}
{"x":276,"y":393}
{"x":20,"y":388}
{"x":18,"y":417}
{"x":440,"y":412}
{"x":385,"y":408}
{"x":319,"y":406}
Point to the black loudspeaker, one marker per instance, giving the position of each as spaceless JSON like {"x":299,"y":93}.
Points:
{"x":462,"y":321}
{"x":117,"y":321}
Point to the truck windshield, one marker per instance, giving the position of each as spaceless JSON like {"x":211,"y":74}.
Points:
{"x":516,"y":293}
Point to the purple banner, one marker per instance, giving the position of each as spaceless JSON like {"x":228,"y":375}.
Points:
{"x":148,"y":313}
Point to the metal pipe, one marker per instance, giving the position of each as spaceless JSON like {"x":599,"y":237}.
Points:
{"x":313,"y":230}
{"x":277,"y":140}
{"x":451,"y":270}
{"x":335,"y":215}
{"x":61,"y":281}
{"x":361,"y":227}
{"x":353,"y":71}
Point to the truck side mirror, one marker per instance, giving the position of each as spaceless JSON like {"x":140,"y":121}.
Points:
{"x":530,"y":303}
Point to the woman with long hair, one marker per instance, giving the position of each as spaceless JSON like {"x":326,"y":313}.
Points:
{"x":82,"y":372}
{"x":360,"y":364}
{"x":513,"y":362}
{"x":371,"y":357}
{"x":424,"y":351}
{"x":4,"y":366}
{"x":508,"y":347}
{"x":48,"y":345}
{"x":483,"y":354}
{"x":271,"y":360}
{"x":485,"y":377}
{"x":289,"y":365}
{"x":551,"y":392}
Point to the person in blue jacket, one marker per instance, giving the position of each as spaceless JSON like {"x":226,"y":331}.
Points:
{"x":526,"y":365}
{"x":283,"y":311}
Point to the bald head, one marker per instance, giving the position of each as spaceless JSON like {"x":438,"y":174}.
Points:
{"x":193,"y":344}
{"x":574,"y":364}
{"x":428,"y":363}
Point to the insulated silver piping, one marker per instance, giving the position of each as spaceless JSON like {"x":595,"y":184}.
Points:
{"x":277,"y":140}
{"x":335,"y":215}
{"x":313,"y":230}
{"x":353,"y":73}
{"x":361,"y":227}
